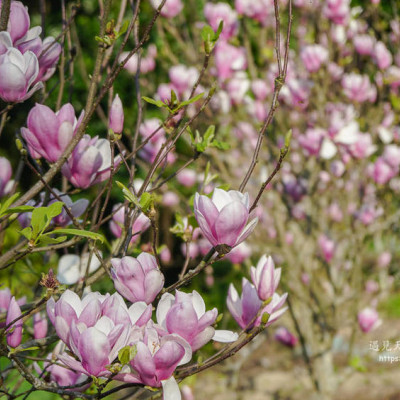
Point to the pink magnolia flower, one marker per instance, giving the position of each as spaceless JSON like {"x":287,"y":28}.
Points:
{"x":364,"y":44}
{"x":187,"y":392}
{"x":392,"y":76}
{"x":47,"y":51}
{"x":6,"y":183}
{"x":39,"y":326}
{"x":170,"y":9}
{"x":59,"y":372}
{"x":237,"y":87}
{"x":327,"y":247}
{"x":215,"y":13}
{"x":187,"y":177}
{"x":224,"y":219}
{"x":72,"y":268}
{"x":116,"y":117}
{"x":14,"y":335}
{"x":89,"y":163}
{"x":260,"y":88}
{"x":265,"y":277}
{"x":259,"y":10}
{"x":358,"y":88}
{"x":382,"y":172}
{"x":19,"y":21}
{"x":371,"y":286}
{"x":368,"y":319}
{"x":391,"y":155}
{"x":383,"y":57}
{"x":337,"y":168}
{"x":296,"y":93}
{"x":338,"y":11}
{"x":240,"y":253}
{"x":5,"y":299}
{"x":295,"y":187}
{"x":170,"y":199}
{"x":158,"y":354}
{"x":94,"y":328}
{"x":140,"y":225}
{"x":313,"y":57}
{"x":137,"y":279}
{"x":77,"y":208}
{"x":183,"y":78}
{"x":335,"y":212}
{"x":311,"y":141}
{"x":151,"y":148}
{"x":335,"y":71}
{"x":236,"y":56}
{"x":17,"y":75}
{"x":384,"y":259}
{"x":284,"y":336}
{"x":48,"y":57}
{"x":49,"y":133}
{"x":363,"y":146}
{"x":185,"y":315}
{"x":245,"y":309}
{"x":147,"y":63}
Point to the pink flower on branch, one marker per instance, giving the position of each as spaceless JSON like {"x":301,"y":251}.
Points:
{"x":224,"y":219}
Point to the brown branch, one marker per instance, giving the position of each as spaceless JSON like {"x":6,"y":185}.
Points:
{"x":279,"y":82}
{"x":5,"y":14}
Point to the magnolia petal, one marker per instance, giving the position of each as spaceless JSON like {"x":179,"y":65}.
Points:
{"x":171,"y":389}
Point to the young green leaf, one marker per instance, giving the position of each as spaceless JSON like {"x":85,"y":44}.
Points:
{"x":78,"y":232}
{"x":7,"y":203}
{"x":26,"y":232}
{"x":145,"y":201}
{"x":157,"y":103}
{"x":128,"y":194}
{"x":19,"y":210}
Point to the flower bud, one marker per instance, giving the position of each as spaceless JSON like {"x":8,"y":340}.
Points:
{"x":14,"y":336}
{"x":116,"y":119}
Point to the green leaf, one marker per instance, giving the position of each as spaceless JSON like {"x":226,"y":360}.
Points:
{"x":288,"y":138}
{"x":128,"y":194}
{"x":209,"y":134}
{"x":207,"y":33}
{"x":210,"y":37}
{"x":20,"y":349}
{"x":46,"y":240}
{"x":174,"y":98}
{"x":220,"y":145}
{"x":219,"y":30}
{"x":8,"y":203}
{"x":157,"y":103}
{"x":124,"y":27}
{"x":192,"y":100}
{"x":42,"y":216}
{"x":19,"y":210}
{"x":27,"y":232}
{"x":127,"y":354}
{"x":225,"y":186}
{"x":54,"y":209}
{"x":145,"y":201}
{"x":201,"y":147}
{"x":191,"y":134}
{"x":39,"y":220}
{"x":78,"y":232}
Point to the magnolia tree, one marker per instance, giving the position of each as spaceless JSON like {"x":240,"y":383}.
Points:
{"x":330,"y":219}
{"x":87,"y":209}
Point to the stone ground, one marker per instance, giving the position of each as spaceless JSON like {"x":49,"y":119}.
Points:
{"x":272,"y":372}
